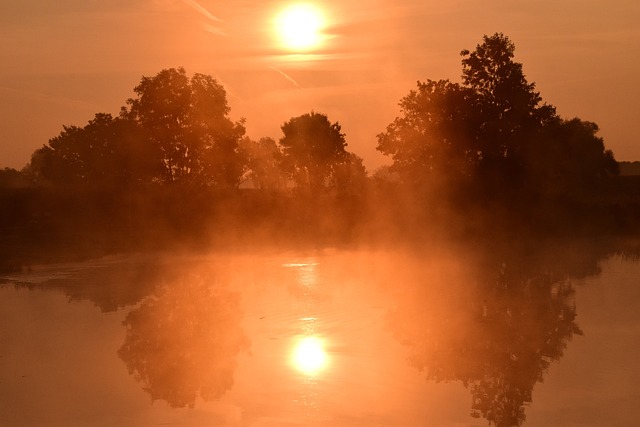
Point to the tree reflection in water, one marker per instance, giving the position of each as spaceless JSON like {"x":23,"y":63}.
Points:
{"x":495,"y":325}
{"x":182,"y":342}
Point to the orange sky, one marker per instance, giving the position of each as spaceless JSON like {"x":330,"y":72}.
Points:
{"x":64,"y":61}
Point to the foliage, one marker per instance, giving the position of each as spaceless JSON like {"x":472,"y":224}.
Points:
{"x":569,"y":158}
{"x":432,"y":137}
{"x":187,"y":119}
{"x":349,"y":176}
{"x":487,"y":153}
{"x":492,"y":134}
{"x":11,"y":178}
{"x":264,"y":158}
{"x":312,"y":148}
{"x":629,"y":168}
{"x":105,"y":152}
{"x":176,"y":130}
{"x":509,"y":103}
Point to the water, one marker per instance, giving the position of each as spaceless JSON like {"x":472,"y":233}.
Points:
{"x":454,"y":337}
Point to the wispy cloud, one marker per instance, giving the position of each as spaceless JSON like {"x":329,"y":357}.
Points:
{"x":227,"y":88}
{"x":208,"y":27}
{"x":286,"y":76}
{"x":214,"y":30}
{"x":194,"y":4}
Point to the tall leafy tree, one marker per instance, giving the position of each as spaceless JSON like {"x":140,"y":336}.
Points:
{"x":490,"y":133}
{"x":312,"y":149}
{"x":187,"y":119}
{"x":503,"y":89}
{"x":433,"y":137}
{"x":510,"y":109}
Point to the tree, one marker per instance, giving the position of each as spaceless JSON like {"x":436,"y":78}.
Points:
{"x":433,"y":137}
{"x":11,"y":178}
{"x":349,"y":176}
{"x":187,"y":119}
{"x":176,"y":130}
{"x":511,"y":110}
{"x":570,"y":159}
{"x":264,"y":158}
{"x":105,"y":152}
{"x":488,"y":136}
{"x":504,"y":93}
{"x":312,"y":148}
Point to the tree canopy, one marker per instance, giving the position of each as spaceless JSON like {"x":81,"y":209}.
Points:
{"x":177,"y":130}
{"x":492,"y":132}
{"x":312,"y":148}
{"x":488,"y":141}
{"x":105,"y":152}
{"x":264,"y":158}
{"x":187,"y":119}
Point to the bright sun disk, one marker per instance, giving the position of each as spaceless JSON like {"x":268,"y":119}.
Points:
{"x":299,"y":27}
{"x":309,"y":356}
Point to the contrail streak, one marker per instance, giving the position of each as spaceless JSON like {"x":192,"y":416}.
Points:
{"x":214,"y":30}
{"x":286,"y":76}
{"x":210,"y":28}
{"x":227,"y":88}
{"x":194,"y":4}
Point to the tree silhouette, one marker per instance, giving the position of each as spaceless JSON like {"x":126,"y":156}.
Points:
{"x":488,"y":135}
{"x":433,"y":138}
{"x":570,"y":160}
{"x":12,"y":178}
{"x":264,"y":157}
{"x":105,"y":152}
{"x":187,"y":119}
{"x":349,"y":176}
{"x":176,"y":130}
{"x":312,"y":148}
{"x":504,"y":92}
{"x":511,"y":111}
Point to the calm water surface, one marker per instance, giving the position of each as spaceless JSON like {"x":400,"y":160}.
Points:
{"x":325,"y":338}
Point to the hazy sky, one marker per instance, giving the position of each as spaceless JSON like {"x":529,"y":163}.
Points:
{"x":65,"y":60}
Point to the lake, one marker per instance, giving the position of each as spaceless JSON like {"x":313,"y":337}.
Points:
{"x":536,"y":335}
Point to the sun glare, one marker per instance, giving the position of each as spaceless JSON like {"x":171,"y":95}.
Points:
{"x":309,"y":356}
{"x":299,"y":27}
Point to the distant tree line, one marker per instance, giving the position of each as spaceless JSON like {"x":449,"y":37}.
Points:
{"x":177,"y":131}
{"x":174,"y":159}
{"x":491,"y":134}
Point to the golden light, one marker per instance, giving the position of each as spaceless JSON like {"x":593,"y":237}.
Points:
{"x":309,"y":356}
{"x":299,"y":27}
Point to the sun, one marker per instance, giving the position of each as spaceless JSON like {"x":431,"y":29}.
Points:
{"x":299,"y":27}
{"x":309,"y":356}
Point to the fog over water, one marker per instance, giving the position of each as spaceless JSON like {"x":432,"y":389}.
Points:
{"x":161,"y":267}
{"x":448,"y":337}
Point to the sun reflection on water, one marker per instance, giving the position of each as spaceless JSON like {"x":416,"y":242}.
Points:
{"x":306,"y":271}
{"x":309,"y":356}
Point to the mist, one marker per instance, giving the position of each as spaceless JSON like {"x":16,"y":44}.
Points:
{"x":277,"y":281}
